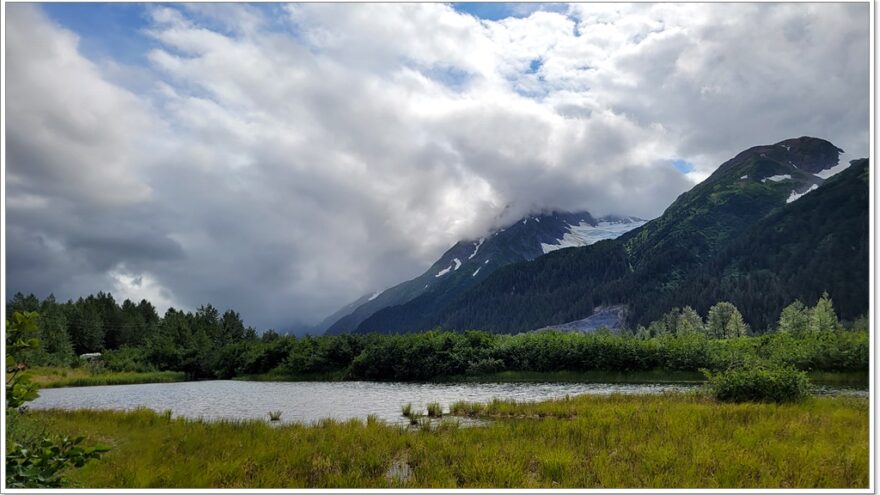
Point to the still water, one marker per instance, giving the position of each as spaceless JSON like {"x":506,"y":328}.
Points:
{"x":311,"y":401}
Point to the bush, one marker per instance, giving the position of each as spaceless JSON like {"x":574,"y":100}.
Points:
{"x":759,"y":384}
{"x":126,"y":359}
{"x":485,"y":366}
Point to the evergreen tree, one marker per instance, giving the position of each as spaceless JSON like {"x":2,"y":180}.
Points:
{"x":725,"y":321}
{"x":111,"y":318}
{"x":21,"y":303}
{"x":86,"y":327}
{"x":689,"y":322}
{"x":54,"y":339}
{"x":794,"y":318}
{"x":233,"y":327}
{"x":822,"y":316}
{"x":134,"y":329}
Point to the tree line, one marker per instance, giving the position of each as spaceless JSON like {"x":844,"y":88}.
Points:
{"x":208,"y":344}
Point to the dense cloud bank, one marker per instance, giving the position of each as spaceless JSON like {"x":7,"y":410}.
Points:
{"x":284,"y":160}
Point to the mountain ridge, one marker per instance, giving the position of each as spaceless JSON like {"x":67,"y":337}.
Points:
{"x":468,"y":262}
{"x":656,"y":258}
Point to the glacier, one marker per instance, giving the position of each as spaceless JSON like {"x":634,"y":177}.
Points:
{"x":584,"y":234}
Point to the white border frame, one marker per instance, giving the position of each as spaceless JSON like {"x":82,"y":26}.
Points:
{"x":872,"y":310}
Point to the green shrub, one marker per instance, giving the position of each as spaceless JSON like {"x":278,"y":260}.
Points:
{"x":759,"y":384}
{"x":485,"y":366}
{"x":127,"y":359}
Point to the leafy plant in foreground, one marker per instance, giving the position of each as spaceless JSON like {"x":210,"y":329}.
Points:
{"x":39,"y":466}
{"x":42,"y":466}
{"x":19,"y":329}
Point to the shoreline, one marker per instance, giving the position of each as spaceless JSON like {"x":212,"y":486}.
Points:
{"x":61,"y":378}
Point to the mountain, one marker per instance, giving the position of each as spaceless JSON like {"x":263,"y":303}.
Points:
{"x":469,"y":262}
{"x":648,"y":268}
{"x":818,"y":243}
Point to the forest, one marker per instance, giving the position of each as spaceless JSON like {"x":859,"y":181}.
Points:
{"x":208,"y":344}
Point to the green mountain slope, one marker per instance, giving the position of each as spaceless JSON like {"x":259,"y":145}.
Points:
{"x":817,"y":243}
{"x":641,"y":268}
{"x":469,"y":262}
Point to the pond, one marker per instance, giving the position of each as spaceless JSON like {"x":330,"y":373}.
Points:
{"x":311,"y":401}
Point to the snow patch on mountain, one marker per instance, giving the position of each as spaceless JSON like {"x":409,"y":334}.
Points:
{"x":796,"y":195}
{"x":584,"y":234}
{"x":777,"y":178}
{"x":840,"y":167}
{"x":455,"y":265}
{"x":477,"y":247}
{"x":375,"y":295}
{"x":477,"y":271}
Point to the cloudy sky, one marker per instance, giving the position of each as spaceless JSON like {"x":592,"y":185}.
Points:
{"x":283,"y":160}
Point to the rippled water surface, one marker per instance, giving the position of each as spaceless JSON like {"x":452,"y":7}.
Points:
{"x":311,"y":401}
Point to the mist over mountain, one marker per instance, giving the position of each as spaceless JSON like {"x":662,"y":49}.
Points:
{"x":653,"y":267}
{"x":467,"y":263}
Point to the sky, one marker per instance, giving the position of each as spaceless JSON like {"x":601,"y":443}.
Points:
{"x":283,"y":160}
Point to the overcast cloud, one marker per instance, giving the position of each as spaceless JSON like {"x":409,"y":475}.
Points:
{"x":285,"y":160}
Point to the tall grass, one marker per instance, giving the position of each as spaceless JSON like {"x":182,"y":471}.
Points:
{"x":78,"y":377}
{"x":675,"y":440}
{"x":435,"y":410}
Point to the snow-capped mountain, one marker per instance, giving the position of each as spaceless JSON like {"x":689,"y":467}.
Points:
{"x":468,"y":262}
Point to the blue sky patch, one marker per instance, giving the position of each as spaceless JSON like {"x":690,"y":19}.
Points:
{"x":106,"y":30}
{"x":452,"y":77}
{"x":683,"y":166}
{"x":498,"y":11}
{"x":535,"y":65}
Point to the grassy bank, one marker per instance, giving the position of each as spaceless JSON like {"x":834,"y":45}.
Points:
{"x":589,"y":441}
{"x":592,"y":376}
{"x":47,"y":377}
{"x":856,"y":379}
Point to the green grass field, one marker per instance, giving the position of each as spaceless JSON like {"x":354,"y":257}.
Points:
{"x":676,"y":440}
{"x":47,"y":377}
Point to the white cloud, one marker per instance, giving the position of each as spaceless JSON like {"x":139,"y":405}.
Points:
{"x":71,"y":133}
{"x":135,"y":287}
{"x":285,"y":165}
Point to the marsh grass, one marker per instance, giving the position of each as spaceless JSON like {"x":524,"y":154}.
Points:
{"x":274,"y":415}
{"x":435,"y":410}
{"x":47,"y":377}
{"x":673,"y":440}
